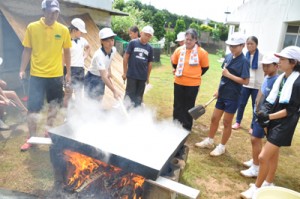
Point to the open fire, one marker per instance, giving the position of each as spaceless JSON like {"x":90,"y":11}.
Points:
{"x":82,"y":171}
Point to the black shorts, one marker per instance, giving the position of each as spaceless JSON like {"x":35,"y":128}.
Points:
{"x":94,"y":87}
{"x":39,"y":87}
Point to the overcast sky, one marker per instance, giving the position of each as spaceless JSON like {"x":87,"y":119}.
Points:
{"x":201,"y":9}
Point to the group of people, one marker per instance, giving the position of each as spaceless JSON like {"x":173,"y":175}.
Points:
{"x":275,"y":99}
{"x":58,"y":71}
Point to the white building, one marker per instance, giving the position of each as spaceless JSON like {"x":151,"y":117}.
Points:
{"x":276,"y":23}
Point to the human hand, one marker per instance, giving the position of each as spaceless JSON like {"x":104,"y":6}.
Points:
{"x":68,"y":78}
{"x":117,"y":95}
{"x":263,"y":118}
{"x":22,"y":75}
{"x":124,"y":77}
{"x":225,"y":72}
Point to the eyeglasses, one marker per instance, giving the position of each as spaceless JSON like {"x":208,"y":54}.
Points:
{"x":234,"y":46}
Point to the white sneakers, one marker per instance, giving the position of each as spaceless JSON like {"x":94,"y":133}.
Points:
{"x":219,"y":150}
{"x":252,"y":172}
{"x":249,"y":193}
{"x":206,"y":143}
{"x":209,"y":144}
{"x":248,"y":163}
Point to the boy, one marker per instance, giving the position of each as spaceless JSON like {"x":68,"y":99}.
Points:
{"x":235,"y":73}
{"x":270,"y":66}
{"x":137,"y":65}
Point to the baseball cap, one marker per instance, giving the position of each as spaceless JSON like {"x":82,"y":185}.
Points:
{"x":236,"y":38}
{"x":180,"y":36}
{"x":79,"y":24}
{"x":148,"y":29}
{"x":106,"y":33}
{"x":50,"y":5}
{"x":269,"y":59}
{"x":290,"y":52}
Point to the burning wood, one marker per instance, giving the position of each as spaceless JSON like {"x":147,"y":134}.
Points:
{"x":83,"y":170}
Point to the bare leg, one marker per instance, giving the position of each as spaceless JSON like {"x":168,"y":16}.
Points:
{"x":32,"y":120}
{"x":273,"y":167}
{"x":227,"y":120}
{"x":52,"y":112}
{"x":268,"y":154}
{"x":256,"y":149}
{"x":214,"y":123}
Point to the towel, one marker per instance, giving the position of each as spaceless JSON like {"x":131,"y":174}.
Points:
{"x":286,"y":91}
{"x":193,"y":61}
{"x":254,"y":64}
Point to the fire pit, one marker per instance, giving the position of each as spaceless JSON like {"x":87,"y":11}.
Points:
{"x":91,"y":165}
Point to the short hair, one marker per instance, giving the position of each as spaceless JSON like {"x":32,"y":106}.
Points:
{"x":254,"y":39}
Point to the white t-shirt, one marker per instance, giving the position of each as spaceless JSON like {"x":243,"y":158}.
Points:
{"x":101,"y":61}
{"x":77,"y":52}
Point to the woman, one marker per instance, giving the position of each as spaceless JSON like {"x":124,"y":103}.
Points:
{"x":191,"y":63}
{"x":134,"y":32}
{"x":280,"y":115}
{"x":80,"y":50}
{"x":99,"y":72}
{"x":256,"y":78}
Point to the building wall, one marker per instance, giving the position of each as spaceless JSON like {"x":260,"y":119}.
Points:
{"x":268,"y":20}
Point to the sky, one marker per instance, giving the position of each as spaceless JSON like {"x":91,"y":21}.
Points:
{"x":200,"y":9}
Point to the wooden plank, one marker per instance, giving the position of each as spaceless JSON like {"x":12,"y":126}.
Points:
{"x":175,"y":187}
{"x":39,"y":140}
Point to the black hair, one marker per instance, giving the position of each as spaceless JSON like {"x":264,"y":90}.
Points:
{"x":253,"y":38}
{"x":297,"y":64}
{"x":71,"y":27}
{"x":193,"y":34}
{"x":135,"y":29}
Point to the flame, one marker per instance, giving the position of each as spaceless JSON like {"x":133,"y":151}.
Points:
{"x":83,"y":167}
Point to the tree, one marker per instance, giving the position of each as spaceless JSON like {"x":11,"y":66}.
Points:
{"x":119,"y":4}
{"x":196,"y":27}
{"x":159,"y":25}
{"x":180,"y":26}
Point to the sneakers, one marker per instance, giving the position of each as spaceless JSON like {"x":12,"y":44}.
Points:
{"x":265,"y":184}
{"x":3,"y":126}
{"x":248,"y":194}
{"x":236,"y":126}
{"x":219,"y":150}
{"x":206,"y":143}
{"x":251,"y":172}
{"x":248,"y":163}
{"x":26,"y":146}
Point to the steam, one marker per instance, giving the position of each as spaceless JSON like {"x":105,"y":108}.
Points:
{"x":138,"y":136}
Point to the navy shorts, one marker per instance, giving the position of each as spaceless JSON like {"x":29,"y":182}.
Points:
{"x":258,"y":131}
{"x":77,"y":77}
{"x":39,"y":87}
{"x":94,"y":87}
{"x":229,"y":106}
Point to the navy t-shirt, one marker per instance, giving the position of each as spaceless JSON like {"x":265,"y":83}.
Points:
{"x":140,"y":56}
{"x":239,"y":67}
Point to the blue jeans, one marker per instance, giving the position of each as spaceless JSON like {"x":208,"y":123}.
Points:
{"x":246,"y":92}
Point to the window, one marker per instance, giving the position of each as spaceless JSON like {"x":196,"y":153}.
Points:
{"x":292,"y":36}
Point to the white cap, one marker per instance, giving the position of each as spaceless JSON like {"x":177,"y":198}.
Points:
{"x":180,"y":36}
{"x":50,"y":5}
{"x":79,"y":24}
{"x":236,"y":38}
{"x":106,"y":33}
{"x":148,"y":29}
{"x":269,"y":59}
{"x":290,"y":52}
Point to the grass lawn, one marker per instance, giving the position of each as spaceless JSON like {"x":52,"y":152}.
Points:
{"x":216,"y":178}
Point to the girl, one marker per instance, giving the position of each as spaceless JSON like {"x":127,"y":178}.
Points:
{"x":280,"y":114}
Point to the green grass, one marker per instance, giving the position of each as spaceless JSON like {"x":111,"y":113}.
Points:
{"x":218,"y":177}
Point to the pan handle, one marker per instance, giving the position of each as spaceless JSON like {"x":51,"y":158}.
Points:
{"x":210,"y":101}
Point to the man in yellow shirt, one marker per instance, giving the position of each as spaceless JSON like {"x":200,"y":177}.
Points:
{"x":45,"y":43}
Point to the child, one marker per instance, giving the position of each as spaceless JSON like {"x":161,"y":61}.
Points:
{"x":235,"y":73}
{"x":137,"y":66}
{"x":80,"y":50}
{"x":270,"y":67}
{"x":134,"y":32}
{"x":99,"y":72}
{"x":280,"y":114}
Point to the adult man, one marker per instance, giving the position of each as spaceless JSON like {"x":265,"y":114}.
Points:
{"x":44,"y":42}
{"x":137,"y":65}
